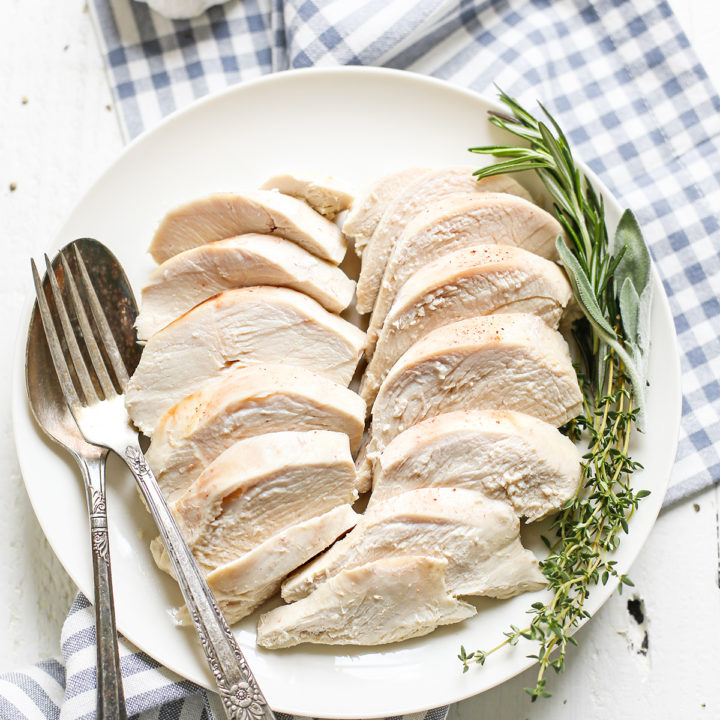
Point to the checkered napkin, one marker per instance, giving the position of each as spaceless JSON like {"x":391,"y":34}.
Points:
{"x":621,"y":78}
{"x":64,"y":689}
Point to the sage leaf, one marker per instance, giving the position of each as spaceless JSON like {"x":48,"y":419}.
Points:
{"x":635,"y":262}
{"x":642,"y":334}
{"x":634,"y":269}
{"x":633,"y":277}
{"x":583,"y":289}
{"x":629,"y":309}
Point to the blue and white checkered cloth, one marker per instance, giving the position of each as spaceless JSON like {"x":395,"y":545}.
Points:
{"x":619,"y":75}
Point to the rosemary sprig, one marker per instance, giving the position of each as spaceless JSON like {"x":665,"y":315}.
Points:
{"x":612,"y":285}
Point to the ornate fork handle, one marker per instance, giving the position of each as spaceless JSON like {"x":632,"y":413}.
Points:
{"x":239,"y":691}
{"x":110,"y":697}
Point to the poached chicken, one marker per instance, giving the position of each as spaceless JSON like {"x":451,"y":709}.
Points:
{"x":244,"y":402}
{"x":383,"y":601}
{"x":224,"y":215}
{"x":505,"y":455}
{"x":429,"y":189}
{"x":246,"y":326}
{"x":459,"y":221}
{"x":479,"y":537}
{"x":504,"y":362}
{"x":476,"y":280}
{"x":190,"y":277}
{"x":323,"y":193}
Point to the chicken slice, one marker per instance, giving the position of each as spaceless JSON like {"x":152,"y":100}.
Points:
{"x":504,"y":455}
{"x":384,"y":601}
{"x":262,"y":486}
{"x":457,"y":222}
{"x":243,"y":584}
{"x":503,"y":362}
{"x":367,"y":209}
{"x":190,"y":277}
{"x":323,"y":193}
{"x":416,"y":198}
{"x":479,"y":537}
{"x":476,"y":280}
{"x":246,"y":326}
{"x":224,"y":215}
{"x":244,"y":402}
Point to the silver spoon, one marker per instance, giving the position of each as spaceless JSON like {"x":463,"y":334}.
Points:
{"x":53,"y":416}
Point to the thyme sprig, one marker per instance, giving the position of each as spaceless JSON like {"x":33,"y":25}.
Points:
{"x":612,"y":285}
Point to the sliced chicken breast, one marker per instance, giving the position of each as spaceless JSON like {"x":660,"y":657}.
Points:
{"x":244,"y":402}
{"x":224,"y":215}
{"x":476,"y":280}
{"x":323,"y":193}
{"x":369,"y":206}
{"x":479,"y":537}
{"x":457,"y":222}
{"x":504,"y":455}
{"x":260,"y":487}
{"x":384,"y":601}
{"x":418,"y":197}
{"x":190,"y":277}
{"x":502,"y":362}
{"x":238,"y":328}
{"x":242,"y":585}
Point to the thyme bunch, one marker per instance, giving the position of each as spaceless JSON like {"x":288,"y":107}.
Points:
{"x":612,"y":285}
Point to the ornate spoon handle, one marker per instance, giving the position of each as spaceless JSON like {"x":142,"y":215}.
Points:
{"x":110,"y":697}
{"x":239,"y":691}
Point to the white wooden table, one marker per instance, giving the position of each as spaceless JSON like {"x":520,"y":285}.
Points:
{"x":58,"y":131}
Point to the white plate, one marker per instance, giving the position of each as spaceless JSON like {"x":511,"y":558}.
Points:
{"x":355,"y":123}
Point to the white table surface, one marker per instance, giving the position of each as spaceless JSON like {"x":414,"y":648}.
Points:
{"x":58,"y":131}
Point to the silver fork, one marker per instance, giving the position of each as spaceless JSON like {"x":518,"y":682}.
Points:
{"x":99,"y":410}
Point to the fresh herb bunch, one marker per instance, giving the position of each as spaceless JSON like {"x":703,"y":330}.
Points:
{"x":612,"y":285}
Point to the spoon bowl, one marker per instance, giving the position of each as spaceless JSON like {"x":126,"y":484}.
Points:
{"x":43,"y":389}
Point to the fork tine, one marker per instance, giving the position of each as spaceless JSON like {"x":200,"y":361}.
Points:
{"x":106,"y":335}
{"x":76,"y":357}
{"x":58,"y":358}
{"x":96,"y":357}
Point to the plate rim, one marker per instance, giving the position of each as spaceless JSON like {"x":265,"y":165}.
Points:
{"x":19,"y":399}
